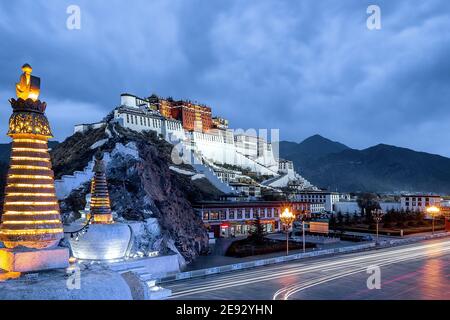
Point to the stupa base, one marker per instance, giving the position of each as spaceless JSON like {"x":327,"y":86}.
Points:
{"x":29,"y":260}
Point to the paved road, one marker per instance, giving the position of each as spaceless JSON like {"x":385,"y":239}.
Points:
{"x":416,"y":271}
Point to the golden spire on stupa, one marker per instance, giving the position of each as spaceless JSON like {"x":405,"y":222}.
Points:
{"x":28,"y":86}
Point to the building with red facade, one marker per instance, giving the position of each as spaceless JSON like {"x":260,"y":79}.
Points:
{"x":227,"y":219}
{"x":194,"y":117}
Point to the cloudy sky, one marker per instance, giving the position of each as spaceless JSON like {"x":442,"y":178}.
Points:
{"x":303,"y":66}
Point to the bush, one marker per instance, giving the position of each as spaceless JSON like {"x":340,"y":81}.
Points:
{"x":400,"y":224}
{"x":245,"y":248}
{"x":387,"y":225}
{"x":412,"y":223}
{"x":421,"y":223}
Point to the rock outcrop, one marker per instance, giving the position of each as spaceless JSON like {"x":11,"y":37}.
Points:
{"x":141,"y":186}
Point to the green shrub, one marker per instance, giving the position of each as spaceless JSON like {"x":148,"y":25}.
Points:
{"x":400,"y":224}
{"x":412,"y":223}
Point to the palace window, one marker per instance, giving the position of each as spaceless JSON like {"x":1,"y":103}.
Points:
{"x":276,"y":214}
{"x":213,"y":215}
{"x":262,"y":213}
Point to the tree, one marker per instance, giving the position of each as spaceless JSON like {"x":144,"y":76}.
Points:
{"x":257,"y":232}
{"x":333,"y":222}
{"x":368,"y":202}
{"x":347,"y":219}
{"x":340,"y":219}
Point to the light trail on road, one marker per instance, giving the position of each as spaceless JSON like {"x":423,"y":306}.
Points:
{"x":290,"y":290}
{"x":340,"y":266}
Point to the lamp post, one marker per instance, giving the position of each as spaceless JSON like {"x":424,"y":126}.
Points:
{"x":302,"y":217}
{"x":433,"y":211}
{"x":287,"y":218}
{"x":378,"y":217}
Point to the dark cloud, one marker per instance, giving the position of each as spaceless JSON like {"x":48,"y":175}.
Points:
{"x":305,"y":67}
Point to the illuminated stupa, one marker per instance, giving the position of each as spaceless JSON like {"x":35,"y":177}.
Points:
{"x":100,"y":208}
{"x":105,"y":240}
{"x":31,"y":217}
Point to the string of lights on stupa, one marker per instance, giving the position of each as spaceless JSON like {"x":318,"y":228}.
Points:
{"x":100,"y":208}
{"x":31,"y":215}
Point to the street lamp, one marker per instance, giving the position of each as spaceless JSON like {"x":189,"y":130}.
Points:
{"x":377,"y":215}
{"x":433,"y":211}
{"x":302,"y":217}
{"x":287,"y":218}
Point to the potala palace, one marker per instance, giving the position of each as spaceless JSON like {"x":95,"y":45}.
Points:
{"x":244,"y":161}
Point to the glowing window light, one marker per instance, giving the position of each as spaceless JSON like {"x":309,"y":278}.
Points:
{"x":31,"y":159}
{"x":31,"y":203}
{"x":16,"y":194}
{"x":30,"y":213}
{"x":30,"y":149}
{"x":31,"y":222}
{"x":23,"y":176}
{"x":26,"y":185}
{"x":31,"y":232}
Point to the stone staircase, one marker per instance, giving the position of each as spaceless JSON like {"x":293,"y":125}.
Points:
{"x":68,"y":183}
{"x":201,"y":166}
{"x":154,"y":292}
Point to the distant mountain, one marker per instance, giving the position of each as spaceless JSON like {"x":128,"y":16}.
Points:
{"x":382,"y":168}
{"x":310,"y":149}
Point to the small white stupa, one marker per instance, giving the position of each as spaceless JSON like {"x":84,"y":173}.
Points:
{"x":103,"y":239}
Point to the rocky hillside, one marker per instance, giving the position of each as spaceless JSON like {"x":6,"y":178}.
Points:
{"x":141,"y":184}
{"x":382,"y":168}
